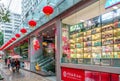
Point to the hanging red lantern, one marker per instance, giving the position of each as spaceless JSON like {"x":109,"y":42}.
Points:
{"x":13,"y":38}
{"x":17,"y":35}
{"x":32,"y":23}
{"x":48,"y":10}
{"x":10,"y":41}
{"x":7,"y":43}
{"x":23,"y":30}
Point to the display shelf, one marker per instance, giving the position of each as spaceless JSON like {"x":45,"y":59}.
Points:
{"x":79,"y":55}
{"x":108,"y":25}
{"x":117,"y":51}
{"x":97,"y":45}
{"x":87,"y":41}
{"x":87,"y":46}
{"x":96,"y":36}
{"x":106,"y":44}
{"x":116,"y":37}
{"x":103,"y":30}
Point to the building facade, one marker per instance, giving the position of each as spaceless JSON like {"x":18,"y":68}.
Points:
{"x":9,"y":28}
{"x":86,"y":39}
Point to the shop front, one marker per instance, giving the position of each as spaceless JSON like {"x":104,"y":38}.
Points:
{"x":71,"y":74}
{"x":90,"y":43}
{"x":80,"y":44}
{"x":43,"y":53}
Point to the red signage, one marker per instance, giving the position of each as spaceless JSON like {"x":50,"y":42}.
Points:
{"x":70,"y":74}
{"x":115,"y":77}
{"x":92,"y":76}
{"x":105,"y":76}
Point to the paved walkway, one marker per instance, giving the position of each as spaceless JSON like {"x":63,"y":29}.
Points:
{"x":21,"y":76}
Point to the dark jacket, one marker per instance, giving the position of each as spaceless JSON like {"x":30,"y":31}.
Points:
{"x":17,"y":63}
{"x":12,"y":64}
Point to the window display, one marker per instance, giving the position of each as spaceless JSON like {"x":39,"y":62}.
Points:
{"x":92,"y":42}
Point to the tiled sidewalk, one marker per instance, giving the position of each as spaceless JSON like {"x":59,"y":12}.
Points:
{"x":21,"y":76}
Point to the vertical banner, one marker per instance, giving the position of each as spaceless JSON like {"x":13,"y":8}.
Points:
{"x":70,"y":74}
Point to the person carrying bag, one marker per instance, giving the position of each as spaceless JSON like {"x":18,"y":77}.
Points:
{"x":13,"y":65}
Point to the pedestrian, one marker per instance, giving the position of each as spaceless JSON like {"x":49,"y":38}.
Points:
{"x":17,"y":64}
{"x":8,"y":63}
{"x":13,"y":65}
{"x":5,"y":61}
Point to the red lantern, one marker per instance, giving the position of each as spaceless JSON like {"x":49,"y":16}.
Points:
{"x":17,"y":35}
{"x":10,"y":41}
{"x":48,"y":10}
{"x":32,"y":23}
{"x":13,"y":38}
{"x":23,"y":30}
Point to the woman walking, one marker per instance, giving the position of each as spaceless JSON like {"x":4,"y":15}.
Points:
{"x":13,"y":65}
{"x":8,"y":63}
{"x":17,"y":65}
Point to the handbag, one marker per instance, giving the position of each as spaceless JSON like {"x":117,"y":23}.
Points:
{"x":10,"y":68}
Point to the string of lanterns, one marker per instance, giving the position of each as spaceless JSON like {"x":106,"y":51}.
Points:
{"x":47,"y":10}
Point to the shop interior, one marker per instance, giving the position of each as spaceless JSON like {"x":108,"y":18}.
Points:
{"x":91,"y":36}
{"x":47,"y":60}
{"x":22,"y":49}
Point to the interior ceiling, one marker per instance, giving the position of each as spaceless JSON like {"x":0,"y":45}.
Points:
{"x":48,"y":32}
{"x":89,"y":12}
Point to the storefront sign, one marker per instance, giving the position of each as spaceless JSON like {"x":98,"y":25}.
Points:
{"x":70,"y":74}
{"x":110,"y":3}
{"x":76,"y":27}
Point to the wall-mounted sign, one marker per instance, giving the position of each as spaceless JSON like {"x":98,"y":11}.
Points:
{"x":70,"y":74}
{"x":110,"y":3}
{"x":76,"y":27}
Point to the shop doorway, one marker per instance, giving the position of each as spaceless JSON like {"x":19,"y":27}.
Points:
{"x":47,"y":59}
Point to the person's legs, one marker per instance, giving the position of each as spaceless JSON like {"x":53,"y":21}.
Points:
{"x":17,"y":69}
{"x":8,"y":66}
{"x":13,"y":69}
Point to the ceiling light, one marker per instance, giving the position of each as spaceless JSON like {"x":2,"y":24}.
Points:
{"x":81,"y":20}
{"x":115,"y":7}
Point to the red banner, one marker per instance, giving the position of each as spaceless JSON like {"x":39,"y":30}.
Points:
{"x":70,"y":74}
{"x":92,"y":76}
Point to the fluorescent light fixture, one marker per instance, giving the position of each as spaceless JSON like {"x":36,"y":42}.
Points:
{"x":81,"y":20}
{"x":115,"y":7}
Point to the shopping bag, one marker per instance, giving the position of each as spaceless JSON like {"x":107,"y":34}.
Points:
{"x":14,"y":68}
{"x":10,"y":68}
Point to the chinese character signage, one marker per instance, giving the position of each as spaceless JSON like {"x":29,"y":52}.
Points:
{"x":70,"y":74}
{"x":76,"y":27}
